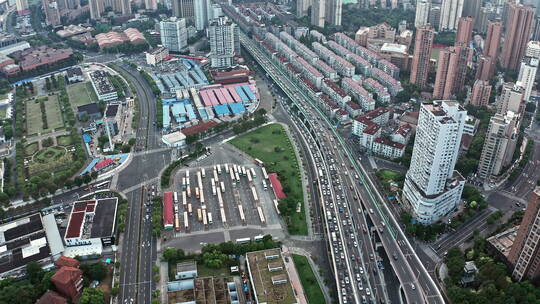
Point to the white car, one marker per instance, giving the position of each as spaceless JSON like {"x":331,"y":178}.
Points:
{"x":368,"y":292}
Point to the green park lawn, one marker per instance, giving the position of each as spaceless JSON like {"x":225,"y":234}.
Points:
{"x":34,"y":123}
{"x":31,"y":148}
{"x":81,"y":93}
{"x":271,"y":145}
{"x":309,"y":282}
{"x":386,"y":176}
{"x":64,"y":140}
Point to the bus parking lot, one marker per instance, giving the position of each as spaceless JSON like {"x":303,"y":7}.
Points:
{"x":223,"y":197}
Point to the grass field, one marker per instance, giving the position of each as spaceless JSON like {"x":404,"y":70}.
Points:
{"x":386,"y":176}
{"x":64,"y":140}
{"x":34,"y":123}
{"x":309,"y":282}
{"x":31,"y":148}
{"x":271,"y":145}
{"x":435,"y":54}
{"x":81,"y":93}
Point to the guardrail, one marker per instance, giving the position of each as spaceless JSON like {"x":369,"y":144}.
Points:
{"x":376,"y":198}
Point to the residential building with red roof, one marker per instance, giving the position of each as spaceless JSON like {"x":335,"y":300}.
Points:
{"x":388,"y":148}
{"x":402,"y":134}
{"x":51,"y":297}
{"x":65,"y":261}
{"x":68,"y":281}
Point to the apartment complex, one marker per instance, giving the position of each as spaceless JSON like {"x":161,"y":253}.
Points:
{"x":527,"y":75}
{"x":173,"y":33}
{"x":499,"y":145}
{"x":183,"y":8}
{"x":224,"y":42}
{"x":517,"y":34}
{"x":422,"y":13}
{"x":450,"y":13}
{"x":422,"y":54}
{"x":525,"y":252}
{"x":451,"y":71}
{"x":480,"y":93}
{"x":432,"y":187}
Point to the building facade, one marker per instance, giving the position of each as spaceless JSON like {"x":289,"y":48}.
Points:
{"x":333,"y":11}
{"x":173,"y":34}
{"x":464,"y":30}
{"x":224,"y":42}
{"x":432,"y":187}
{"x":450,"y":13}
{"x":499,"y":145}
{"x":511,"y":99}
{"x":97,"y":7}
{"x":480,"y":93}
{"x":422,"y":13}
{"x":517,"y":34}
{"x":451,"y":72}
{"x":527,"y":75}
{"x":422,"y":54}
{"x":525,"y":252}
{"x":183,"y":9}
{"x":318,"y":13}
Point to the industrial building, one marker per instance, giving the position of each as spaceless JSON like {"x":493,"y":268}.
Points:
{"x":29,"y":239}
{"x":270,"y":285}
{"x":103,"y":87}
{"x":91,"y":226}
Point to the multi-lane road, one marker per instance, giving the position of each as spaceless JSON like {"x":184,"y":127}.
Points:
{"x":416,"y":283}
{"x":138,"y":250}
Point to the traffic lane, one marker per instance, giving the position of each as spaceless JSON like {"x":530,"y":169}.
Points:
{"x":128,"y":262}
{"x":365,"y":241}
{"x":344,"y":189}
{"x":405,"y":276}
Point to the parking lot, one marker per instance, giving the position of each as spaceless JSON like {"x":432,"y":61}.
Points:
{"x":239,"y":207}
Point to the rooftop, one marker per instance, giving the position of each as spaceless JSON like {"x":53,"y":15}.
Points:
{"x":22,"y":241}
{"x":101,"y":82}
{"x":261,"y":277}
{"x":503,"y":241}
{"x":186,"y":266}
{"x":90,"y":108}
{"x":92,"y":219}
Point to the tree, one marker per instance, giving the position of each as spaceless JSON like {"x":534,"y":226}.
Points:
{"x":214,"y":259}
{"x":92,"y":296}
{"x":35,"y":272}
{"x":94,"y":271}
{"x":172,"y":255}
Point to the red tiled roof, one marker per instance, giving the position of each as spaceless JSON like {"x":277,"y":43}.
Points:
{"x":276,"y":185}
{"x":167,"y":208}
{"x":67,"y":261}
{"x":404,"y":130}
{"x":104,"y":163}
{"x":75,"y":222}
{"x":199,"y":128}
{"x":387,"y":142}
{"x":372,"y":129}
{"x":66,"y":275}
{"x":51,"y":297}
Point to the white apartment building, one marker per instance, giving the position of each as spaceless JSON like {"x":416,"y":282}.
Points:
{"x":533,"y":49}
{"x":432,"y":187}
{"x":499,"y":146}
{"x":173,"y":33}
{"x":224,"y":42}
{"x":527,"y":75}
{"x":450,"y":13}
{"x":422,"y":13}
{"x":318,"y":13}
